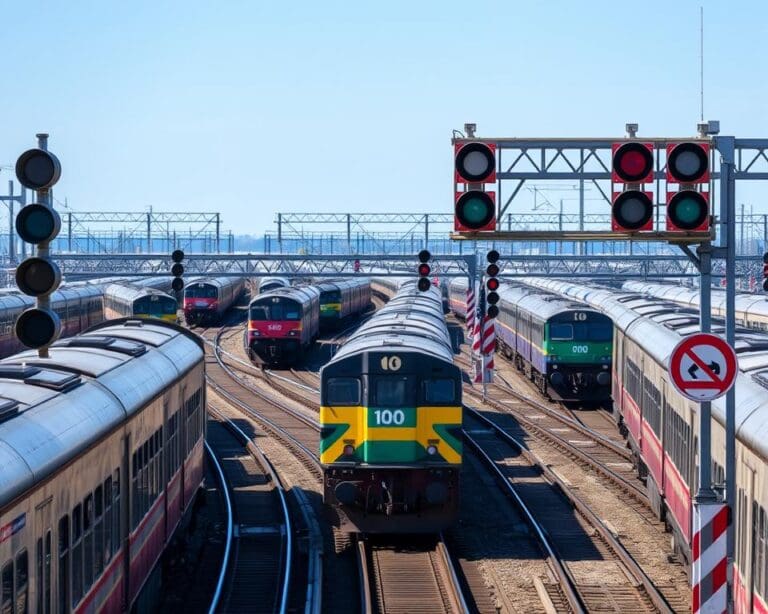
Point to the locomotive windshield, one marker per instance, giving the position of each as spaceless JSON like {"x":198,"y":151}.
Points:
{"x":394,"y":391}
{"x":582,"y":331}
{"x":201,"y":291}
{"x":275,"y":309}
{"x":155,"y":305}
{"x":439,"y":391}
{"x":333,"y":296}
{"x":343,"y":391}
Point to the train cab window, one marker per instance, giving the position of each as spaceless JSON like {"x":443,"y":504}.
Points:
{"x":260,"y":313}
{"x":200,"y":291}
{"x":560,"y":332}
{"x":343,"y":391}
{"x":394,"y":391}
{"x":438,"y":391}
{"x":22,"y":582}
{"x":63,"y":563}
{"x":291,"y":312}
{"x":600,"y":331}
{"x":6,"y":598}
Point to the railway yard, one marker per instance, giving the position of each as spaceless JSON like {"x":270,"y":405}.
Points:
{"x":552,"y":515}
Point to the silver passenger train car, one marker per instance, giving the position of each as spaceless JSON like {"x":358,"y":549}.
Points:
{"x":662,"y":426}
{"x":101,"y":450}
{"x":751,"y":309}
{"x":125,"y":300}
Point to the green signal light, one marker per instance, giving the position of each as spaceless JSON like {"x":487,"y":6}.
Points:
{"x":475,"y":210}
{"x":688,"y":210}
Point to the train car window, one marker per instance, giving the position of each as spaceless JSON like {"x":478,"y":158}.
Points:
{"x":438,"y":391}
{"x":560,"y":332}
{"x":39,"y":560}
{"x":22,"y":584}
{"x":63,"y":563}
{"x":343,"y":391}
{"x":88,"y":543}
{"x":6,"y":599}
{"x":77,"y":554}
{"x":394,"y":391}
{"x":107,"y":551}
{"x":116,"y":509}
{"x":98,"y":531}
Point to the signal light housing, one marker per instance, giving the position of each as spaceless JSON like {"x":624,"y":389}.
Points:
{"x":475,"y":211}
{"x":38,"y":169}
{"x":492,"y":283}
{"x":688,"y":163}
{"x":37,"y":328}
{"x":424,"y":270}
{"x":177,"y":270}
{"x":632,"y":211}
{"x":688,"y":211}
{"x":632,"y":162}
{"x":475,"y":163}
{"x":37,"y":223}
{"x":493,"y":311}
{"x":38,"y":276}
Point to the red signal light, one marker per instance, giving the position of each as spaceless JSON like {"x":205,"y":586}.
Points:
{"x":492,"y":284}
{"x":632,"y":162}
{"x":424,"y":269}
{"x":688,"y":163}
{"x":632,"y":211}
{"x":475,"y":163}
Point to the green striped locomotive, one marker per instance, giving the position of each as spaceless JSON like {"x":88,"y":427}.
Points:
{"x":563,"y":346}
{"x":391,"y":417}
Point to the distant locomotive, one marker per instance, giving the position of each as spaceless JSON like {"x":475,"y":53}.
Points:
{"x":563,"y":346}
{"x":101,"y":450}
{"x":282,"y":324}
{"x":343,"y":299}
{"x":266,"y":284}
{"x":391,"y":416}
{"x":206,"y":300}
{"x":124,"y":300}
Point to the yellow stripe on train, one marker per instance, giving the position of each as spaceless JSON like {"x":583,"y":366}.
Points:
{"x":360,"y":431}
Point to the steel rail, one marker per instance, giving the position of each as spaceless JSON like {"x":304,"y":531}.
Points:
{"x":227,"y":548}
{"x":623,"y":554}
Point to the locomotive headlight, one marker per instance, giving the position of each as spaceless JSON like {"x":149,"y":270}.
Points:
{"x":431,"y":450}
{"x":293,"y":333}
{"x":349,"y":450}
{"x":255,"y":333}
{"x":605,"y":359}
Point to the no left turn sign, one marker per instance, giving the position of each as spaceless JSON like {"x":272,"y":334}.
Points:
{"x":703,"y":367}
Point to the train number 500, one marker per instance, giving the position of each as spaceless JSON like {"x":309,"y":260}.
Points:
{"x":387,"y":417}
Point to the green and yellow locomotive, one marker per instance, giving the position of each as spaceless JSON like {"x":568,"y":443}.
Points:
{"x":391,"y":416}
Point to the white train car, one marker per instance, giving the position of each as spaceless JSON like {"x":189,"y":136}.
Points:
{"x":101,"y":450}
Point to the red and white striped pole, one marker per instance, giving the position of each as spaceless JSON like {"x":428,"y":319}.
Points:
{"x":489,"y":346}
{"x":709,"y":576}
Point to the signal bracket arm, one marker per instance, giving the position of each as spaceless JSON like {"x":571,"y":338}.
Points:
{"x":691,"y":256}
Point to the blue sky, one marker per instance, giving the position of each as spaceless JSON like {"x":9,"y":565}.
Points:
{"x":252,"y":107}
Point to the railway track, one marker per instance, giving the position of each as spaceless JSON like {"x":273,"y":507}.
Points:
{"x":610,"y":459}
{"x":408,"y":575}
{"x":595,"y":571}
{"x":258,"y":556}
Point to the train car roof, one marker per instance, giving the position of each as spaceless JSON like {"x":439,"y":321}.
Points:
{"x":412,"y":321}
{"x":544,"y":304}
{"x":218,"y":282}
{"x":53,"y":409}
{"x":338,"y":284}
{"x":302,"y":294}
{"x":128,"y":292}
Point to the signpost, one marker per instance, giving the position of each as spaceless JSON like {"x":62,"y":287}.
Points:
{"x":702,"y":368}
